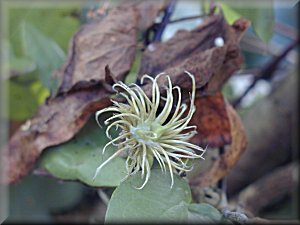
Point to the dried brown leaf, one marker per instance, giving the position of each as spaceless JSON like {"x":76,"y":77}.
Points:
{"x":222,"y":165}
{"x":233,"y":58}
{"x":56,"y":122}
{"x":196,"y":52}
{"x":183,"y":50}
{"x":110,"y":42}
{"x":212,"y":121}
{"x":100,"y":52}
{"x":148,"y":11}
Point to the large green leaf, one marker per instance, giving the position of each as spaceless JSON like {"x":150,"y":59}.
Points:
{"x":262,"y":20}
{"x":22,"y":101}
{"x":157,"y":202}
{"x":43,"y":51}
{"x":20,"y":66}
{"x":261,"y":17}
{"x":203,"y":213}
{"x":33,"y":199}
{"x":230,"y":13}
{"x":54,"y":20}
{"x":25,"y":94}
{"x":25,"y":91}
{"x":79,"y":158}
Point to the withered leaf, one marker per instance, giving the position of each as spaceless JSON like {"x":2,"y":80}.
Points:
{"x":233,"y":58}
{"x":148,"y":11}
{"x":222,"y":165}
{"x":56,"y":122}
{"x":110,"y":42}
{"x":161,"y":55}
{"x":196,"y":52}
{"x":212,"y":121}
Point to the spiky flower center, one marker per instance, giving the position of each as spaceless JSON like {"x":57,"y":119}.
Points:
{"x":148,"y":133}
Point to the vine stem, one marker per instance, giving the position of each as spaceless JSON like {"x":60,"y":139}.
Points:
{"x":222,"y":185}
{"x":188,"y":18}
{"x":267,"y":71}
{"x":158,"y":28}
{"x":103,"y":196}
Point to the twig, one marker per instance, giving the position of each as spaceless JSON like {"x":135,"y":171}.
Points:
{"x":103,"y":196}
{"x":236,"y":217}
{"x":222,"y":185}
{"x":158,"y":28}
{"x":267,"y":71}
{"x":168,"y":13}
{"x":268,"y":189}
{"x":286,"y":30}
{"x":188,"y":18}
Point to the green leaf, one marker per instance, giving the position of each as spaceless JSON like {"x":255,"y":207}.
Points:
{"x":44,"y":52}
{"x":55,"y":21}
{"x":132,"y":75}
{"x":230,"y":14}
{"x":22,"y":101}
{"x":21,"y":66}
{"x":16,"y":65}
{"x":155,"y":202}
{"x":203,"y":213}
{"x":262,"y":18}
{"x":78,"y":159}
{"x":33,"y":199}
{"x":39,"y":91}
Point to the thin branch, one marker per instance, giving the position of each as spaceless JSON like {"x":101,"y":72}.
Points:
{"x":158,"y":28}
{"x":222,"y":184}
{"x":189,"y":18}
{"x":268,"y":189}
{"x":267,"y":71}
{"x":286,"y":30}
{"x":166,"y":19}
{"x":104,"y":197}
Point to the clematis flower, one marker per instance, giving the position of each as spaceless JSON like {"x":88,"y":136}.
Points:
{"x":148,"y":132}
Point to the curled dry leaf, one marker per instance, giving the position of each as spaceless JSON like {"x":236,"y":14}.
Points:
{"x":233,"y":58}
{"x":221,"y":166}
{"x":148,"y":10}
{"x":100,"y":53}
{"x":212,"y":121}
{"x":109,"y":42}
{"x":57,"y":121}
{"x":112,"y":41}
{"x":196,"y":52}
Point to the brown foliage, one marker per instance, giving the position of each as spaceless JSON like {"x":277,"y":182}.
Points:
{"x":56,"y":122}
{"x":221,"y":166}
{"x":212,"y":122}
{"x":102,"y":53}
{"x":97,"y":45}
{"x":148,"y":11}
{"x":82,"y":90}
{"x":195,"y":51}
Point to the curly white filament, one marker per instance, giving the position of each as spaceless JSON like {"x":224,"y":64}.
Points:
{"x":147,"y":133}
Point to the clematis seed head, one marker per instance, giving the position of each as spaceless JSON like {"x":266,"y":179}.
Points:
{"x":148,"y":133}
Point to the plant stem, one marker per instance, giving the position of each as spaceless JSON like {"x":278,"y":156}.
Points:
{"x":267,"y":71}
{"x":158,"y":28}
{"x":222,"y":185}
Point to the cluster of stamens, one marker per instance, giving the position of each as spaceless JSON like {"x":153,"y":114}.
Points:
{"x":147,"y":132}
